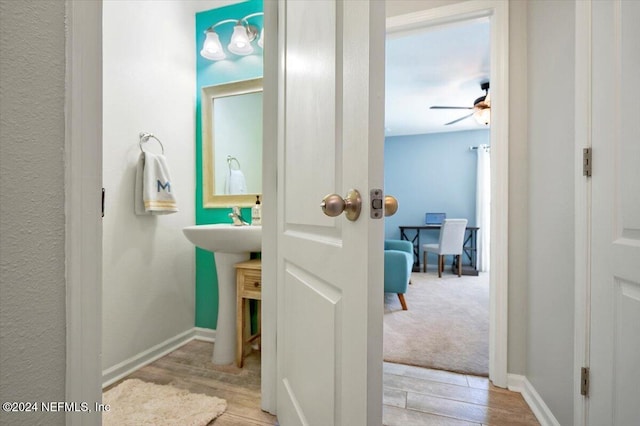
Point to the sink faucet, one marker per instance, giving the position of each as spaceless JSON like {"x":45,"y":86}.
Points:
{"x":236,"y":216}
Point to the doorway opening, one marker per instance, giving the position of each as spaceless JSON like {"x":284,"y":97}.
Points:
{"x":432,"y":160}
{"x":151,"y":322}
{"x":437,"y":165}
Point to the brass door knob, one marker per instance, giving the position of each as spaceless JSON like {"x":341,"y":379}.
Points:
{"x":333,"y":204}
{"x":390,"y":205}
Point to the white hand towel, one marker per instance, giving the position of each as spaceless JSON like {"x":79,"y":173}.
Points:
{"x":236,"y":183}
{"x":153,"y":192}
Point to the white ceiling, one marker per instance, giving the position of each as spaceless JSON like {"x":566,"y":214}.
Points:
{"x":437,"y":66}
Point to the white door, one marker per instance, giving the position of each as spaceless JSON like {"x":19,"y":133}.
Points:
{"x":329,"y":269}
{"x":615,"y":255}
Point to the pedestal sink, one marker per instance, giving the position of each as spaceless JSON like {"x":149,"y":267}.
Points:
{"x":230,"y":244}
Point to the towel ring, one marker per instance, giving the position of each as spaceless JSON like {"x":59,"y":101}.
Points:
{"x":230,"y":159}
{"x":144,"y":137}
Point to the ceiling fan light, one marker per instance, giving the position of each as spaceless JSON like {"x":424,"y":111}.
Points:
{"x":483,"y":116}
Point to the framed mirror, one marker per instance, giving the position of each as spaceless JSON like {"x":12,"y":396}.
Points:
{"x":232,"y":143}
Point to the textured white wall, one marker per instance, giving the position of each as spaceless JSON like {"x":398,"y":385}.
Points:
{"x":149,"y":85}
{"x":32,"y":251}
{"x":551,"y":80}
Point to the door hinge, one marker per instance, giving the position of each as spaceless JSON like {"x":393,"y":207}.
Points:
{"x":102,"y":202}
{"x":586,"y":162}
{"x":584,"y":381}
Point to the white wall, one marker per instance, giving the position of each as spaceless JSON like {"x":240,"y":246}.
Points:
{"x":551,"y":80}
{"x":32,"y":221}
{"x":149,"y":85}
{"x":400,"y":7}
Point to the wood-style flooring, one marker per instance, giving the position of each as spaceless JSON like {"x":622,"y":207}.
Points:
{"x":413,"y":396}
{"x":420,"y":396}
{"x":189,"y":367}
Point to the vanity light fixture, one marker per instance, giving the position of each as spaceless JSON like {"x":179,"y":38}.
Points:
{"x":261,"y":41}
{"x":212,"y":49}
{"x":240,"y":44}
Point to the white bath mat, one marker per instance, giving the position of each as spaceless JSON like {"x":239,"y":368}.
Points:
{"x":134,"y":402}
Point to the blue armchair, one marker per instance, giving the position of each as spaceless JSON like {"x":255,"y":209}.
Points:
{"x":398,"y":262}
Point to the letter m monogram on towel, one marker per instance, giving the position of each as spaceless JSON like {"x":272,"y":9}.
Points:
{"x":166,"y":186}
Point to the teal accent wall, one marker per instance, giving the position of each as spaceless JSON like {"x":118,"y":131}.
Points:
{"x":209,"y":73}
{"x":434,"y":172}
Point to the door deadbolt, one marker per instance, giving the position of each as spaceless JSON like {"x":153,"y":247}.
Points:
{"x":333,"y":204}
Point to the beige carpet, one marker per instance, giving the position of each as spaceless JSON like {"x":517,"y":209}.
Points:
{"x":134,"y":402}
{"x":446,"y":326}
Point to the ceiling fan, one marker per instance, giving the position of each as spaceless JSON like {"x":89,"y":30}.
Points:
{"x":481,"y":107}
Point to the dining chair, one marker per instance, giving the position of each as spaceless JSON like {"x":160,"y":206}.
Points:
{"x":450,"y":243}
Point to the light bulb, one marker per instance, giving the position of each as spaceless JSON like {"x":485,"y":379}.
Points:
{"x":240,"y":44}
{"x":483,"y":116}
{"x":211,"y":48}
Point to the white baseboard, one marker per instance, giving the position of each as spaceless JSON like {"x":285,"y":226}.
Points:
{"x":128,"y":366}
{"x":521,"y":384}
{"x":204,"y":334}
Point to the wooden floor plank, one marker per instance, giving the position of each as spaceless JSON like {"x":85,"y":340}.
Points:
{"x":483,"y":414}
{"x":411,"y":396}
{"x":451,"y":396}
{"x":189,"y":367}
{"x":394,"y":397}
{"x":485,"y":397}
{"x":425,"y":373}
{"x":393,"y":416}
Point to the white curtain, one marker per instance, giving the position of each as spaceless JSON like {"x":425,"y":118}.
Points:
{"x":483,"y":206}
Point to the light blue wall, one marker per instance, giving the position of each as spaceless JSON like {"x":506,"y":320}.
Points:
{"x":209,"y":73}
{"x":433,"y":172}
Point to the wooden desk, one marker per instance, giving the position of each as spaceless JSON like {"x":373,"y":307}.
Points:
{"x":248,"y":286}
{"x":469,"y":246}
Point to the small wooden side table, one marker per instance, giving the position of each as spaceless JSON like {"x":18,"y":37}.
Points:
{"x":249,"y":286}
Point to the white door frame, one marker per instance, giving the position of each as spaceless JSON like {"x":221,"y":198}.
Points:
{"x":83,"y":180}
{"x":582,"y":206}
{"x":498,"y":13}
{"x":269,"y":208}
